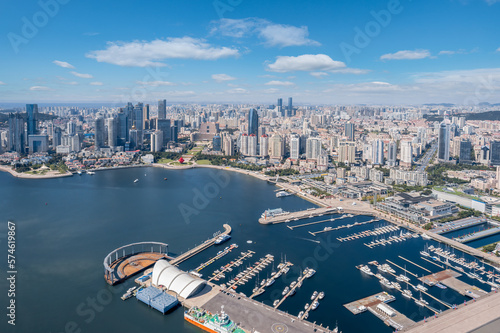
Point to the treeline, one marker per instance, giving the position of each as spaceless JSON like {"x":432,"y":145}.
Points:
{"x":282,"y":172}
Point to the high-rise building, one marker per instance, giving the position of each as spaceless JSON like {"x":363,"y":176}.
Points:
{"x":290,"y":108}
{"x":174,"y":133}
{"x":145,"y":116}
{"x":313,"y":148}
{"x":162,"y":109}
{"x":244,"y":144}
{"x":277,"y":146}
{"x":295,"y":148}
{"x":139,"y":123}
{"x":164,"y":126}
{"x":32,"y":115}
{"x":280,"y":107}
{"x":16,"y":133}
{"x":253,"y":122}
{"x":122,"y":128}
{"x":347,"y":152}
{"x":71,"y":128}
{"x":99,"y":132}
{"x":495,"y":153}
{"x":378,"y":152}
{"x":217,"y":143}
{"x":465,"y":151}
{"x":252,"y":145}
{"x":264,"y":145}
{"x":112,"y":125}
{"x":406,"y":153}
{"x":156,"y":141}
{"x":392,"y":153}
{"x":228,"y":146}
{"x":444,"y":142}
{"x":38,"y":143}
{"x":349,"y":131}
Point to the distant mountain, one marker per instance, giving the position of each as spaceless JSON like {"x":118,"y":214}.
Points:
{"x":448,"y":105}
{"x":490,"y":115}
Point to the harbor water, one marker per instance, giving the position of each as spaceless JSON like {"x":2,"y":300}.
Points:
{"x":66,"y":226}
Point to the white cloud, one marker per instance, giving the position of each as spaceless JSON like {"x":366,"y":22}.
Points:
{"x":356,"y":71}
{"x":271,"y":91}
{"x":407,"y":55}
{"x":222,"y":77}
{"x":156,"y":83}
{"x":319,"y":74}
{"x":63,"y":64}
{"x":498,"y":50}
{"x":306,"y":62}
{"x":286,"y":35}
{"x":39,"y":88}
{"x":2,"y":83}
{"x":279,"y":83}
{"x":238,"y":91}
{"x":96,"y":83}
{"x":143,"y":54}
{"x":70,"y":83}
{"x":272,"y":34}
{"x":83,"y":76}
{"x":491,"y":2}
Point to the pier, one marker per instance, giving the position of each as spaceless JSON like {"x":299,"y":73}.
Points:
{"x":217,"y":275}
{"x":328,"y":229}
{"x":283,"y":270}
{"x":366,"y":233}
{"x":458,"y":224}
{"x":318,"y":222}
{"x":203,"y":246}
{"x":287,"y":217}
{"x":478,"y":235}
{"x":291,"y":292}
{"x":128,"y":260}
{"x":217,"y":257}
{"x":250,"y":272}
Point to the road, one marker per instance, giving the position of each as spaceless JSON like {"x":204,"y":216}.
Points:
{"x":424,"y":161}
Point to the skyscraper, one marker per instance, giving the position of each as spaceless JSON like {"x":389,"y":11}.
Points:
{"x":162,"y":109}
{"x":495,"y":153}
{"x":280,"y":107}
{"x":349,"y":131}
{"x":294,"y":148}
{"x":313,"y":148}
{"x":16,"y":133}
{"x":112,"y":131}
{"x":406,"y":153}
{"x":164,"y":126}
{"x":277,"y":146}
{"x":216,"y":143}
{"x":252,"y":145}
{"x":122,"y":128}
{"x":156,"y":141}
{"x":290,"y":108}
{"x":99,"y":132}
{"x":264,"y":145}
{"x":465,"y":151}
{"x":32,"y":112}
{"x":145,"y":116}
{"x":139,"y":123}
{"x":378,"y":152}
{"x":392,"y":153}
{"x":253,"y":122}
{"x":347,"y":152}
{"x":244,"y":144}
{"x":444,"y":142}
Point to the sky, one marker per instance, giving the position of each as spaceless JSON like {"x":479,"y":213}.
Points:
{"x":391,"y":52}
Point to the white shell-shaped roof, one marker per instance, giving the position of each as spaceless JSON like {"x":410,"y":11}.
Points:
{"x":175,"y":280}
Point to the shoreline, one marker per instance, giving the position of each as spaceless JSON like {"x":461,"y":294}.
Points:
{"x":49,"y":175}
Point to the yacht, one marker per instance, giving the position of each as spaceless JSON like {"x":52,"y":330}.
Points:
{"x":270,"y":282}
{"x":421,"y":287}
{"x":314,"y":295}
{"x":321,"y":295}
{"x":365,"y":269}
{"x":136,"y":180}
{"x":90,"y":172}
{"x":310,"y":273}
{"x":306,"y":306}
{"x":407,"y":293}
{"x":285,"y":291}
{"x":301,"y":313}
{"x":387,"y":283}
{"x":315,"y":305}
{"x":276,"y":302}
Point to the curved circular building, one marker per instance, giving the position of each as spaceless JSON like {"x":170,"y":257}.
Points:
{"x":173,"y":279}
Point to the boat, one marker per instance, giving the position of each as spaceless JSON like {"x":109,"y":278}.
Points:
{"x":310,"y":273}
{"x":90,"y":172}
{"x":301,"y":313}
{"x":365,"y":269}
{"x":165,"y":178}
{"x":130,"y":290}
{"x":273,"y":213}
{"x":292,"y":292}
{"x":79,"y":172}
{"x":421,"y":287}
{"x":135,"y":181}
{"x":213,"y":323}
{"x":315,"y":305}
{"x":221,"y":239}
{"x":285,"y":291}
{"x":407,"y":293}
{"x":321,"y":295}
{"x":282,"y":194}
{"x":258,"y":292}
{"x":293,"y":284}
{"x":314,"y":295}
{"x":306,"y":306}
{"x":419,"y":303}
{"x":439,"y":285}
{"x":127,"y":295}
{"x":386,"y":283}
{"x":270,"y":282}
{"x":306,"y":315}
{"x":425,"y":236}
{"x":276,"y":302}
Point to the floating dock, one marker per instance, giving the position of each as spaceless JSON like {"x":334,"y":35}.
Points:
{"x":459,"y":224}
{"x":362,"y":305}
{"x":217,"y":275}
{"x":295,"y":216}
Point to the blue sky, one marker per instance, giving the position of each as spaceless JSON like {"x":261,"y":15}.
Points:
{"x":320,"y":52}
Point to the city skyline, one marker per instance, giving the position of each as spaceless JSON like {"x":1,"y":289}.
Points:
{"x":368,"y":52}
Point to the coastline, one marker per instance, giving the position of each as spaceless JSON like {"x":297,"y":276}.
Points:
{"x":48,"y":175}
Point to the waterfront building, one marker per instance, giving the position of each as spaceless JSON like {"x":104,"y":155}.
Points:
{"x":252,"y":145}
{"x":99,"y":132}
{"x":156,"y":141}
{"x":32,"y":115}
{"x":16,"y":140}
{"x":277,"y":146}
{"x":264,"y":145}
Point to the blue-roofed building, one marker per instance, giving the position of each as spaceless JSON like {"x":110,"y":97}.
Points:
{"x":157,"y":299}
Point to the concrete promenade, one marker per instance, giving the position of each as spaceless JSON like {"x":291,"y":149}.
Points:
{"x":203,"y":246}
{"x":465,"y":319}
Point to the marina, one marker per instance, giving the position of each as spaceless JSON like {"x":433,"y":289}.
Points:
{"x":458,"y":225}
{"x":292,"y":289}
{"x":318,"y":222}
{"x":295,"y":216}
{"x":217,"y":257}
{"x":283,"y":268}
{"x":249,"y":273}
{"x":220,"y":274}
{"x":367,"y":233}
{"x":448,"y":278}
